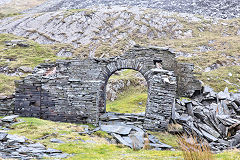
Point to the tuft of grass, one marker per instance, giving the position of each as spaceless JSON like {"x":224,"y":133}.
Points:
{"x":194,"y":149}
{"x":102,"y":134}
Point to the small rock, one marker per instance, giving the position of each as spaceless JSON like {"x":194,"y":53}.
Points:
{"x":10,"y":118}
{"x":20,"y":139}
{"x":26,"y":69}
{"x":3,"y":136}
{"x":55,"y":140}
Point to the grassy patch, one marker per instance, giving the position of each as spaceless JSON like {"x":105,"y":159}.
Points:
{"x":16,"y":56}
{"x":167,"y":138}
{"x":128,"y":101}
{"x":7,"y":84}
{"x":220,"y":78}
{"x":228,"y":155}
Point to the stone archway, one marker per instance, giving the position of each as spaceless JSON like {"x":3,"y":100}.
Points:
{"x":117,"y":65}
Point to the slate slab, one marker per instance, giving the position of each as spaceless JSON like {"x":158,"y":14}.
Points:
{"x":121,"y":140}
{"x":55,"y":140}
{"x":20,"y":139}
{"x":209,"y":130}
{"x":162,"y":146}
{"x":122,"y":130}
{"x":137,"y":141}
{"x":3,"y":136}
{"x":208,"y":136}
{"x":10,"y":118}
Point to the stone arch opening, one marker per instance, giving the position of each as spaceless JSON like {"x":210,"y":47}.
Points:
{"x":126,"y":92}
{"x":115,"y":65}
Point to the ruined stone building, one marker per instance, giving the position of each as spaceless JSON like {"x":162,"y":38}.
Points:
{"x":75,"y":90}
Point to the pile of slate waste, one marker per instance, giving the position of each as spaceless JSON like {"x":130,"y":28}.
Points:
{"x":127,"y":129}
{"x":212,"y":116}
{"x":19,"y":147}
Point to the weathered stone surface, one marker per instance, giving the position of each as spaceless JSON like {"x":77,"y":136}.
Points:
{"x":121,"y":140}
{"x":122,"y":130}
{"x":215,"y":118}
{"x":213,"y":8}
{"x":54,"y":140}
{"x":10,"y":118}
{"x":3,"y":136}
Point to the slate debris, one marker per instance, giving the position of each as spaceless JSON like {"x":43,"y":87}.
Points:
{"x":19,"y":147}
{"x":211,"y":116}
{"x":8,"y":121}
{"x":127,"y":129}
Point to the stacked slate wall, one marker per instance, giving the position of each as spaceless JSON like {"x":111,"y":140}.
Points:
{"x":6,"y":105}
{"x":161,"y":95}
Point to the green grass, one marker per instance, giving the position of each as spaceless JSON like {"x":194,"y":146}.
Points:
{"x":16,"y":56}
{"x":217,"y":78}
{"x":167,"y":138}
{"x":128,"y":101}
{"x":7,"y":84}
{"x":129,"y":97}
{"x":228,"y":155}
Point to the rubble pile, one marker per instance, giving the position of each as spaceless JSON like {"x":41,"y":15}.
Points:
{"x":212,"y":116}
{"x":127,"y":129}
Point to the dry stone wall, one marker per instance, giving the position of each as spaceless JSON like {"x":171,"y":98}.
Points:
{"x":75,"y":90}
{"x":6,"y":105}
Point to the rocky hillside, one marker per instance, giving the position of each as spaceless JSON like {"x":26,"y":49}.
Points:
{"x":210,"y":43}
{"x":216,"y":8}
{"x":83,"y":29}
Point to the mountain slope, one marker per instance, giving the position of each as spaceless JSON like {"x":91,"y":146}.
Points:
{"x":16,"y":6}
{"x":211,"y":44}
{"x":216,"y":8}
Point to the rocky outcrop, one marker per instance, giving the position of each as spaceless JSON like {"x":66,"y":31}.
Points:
{"x":215,"y":8}
{"x":212,"y":116}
